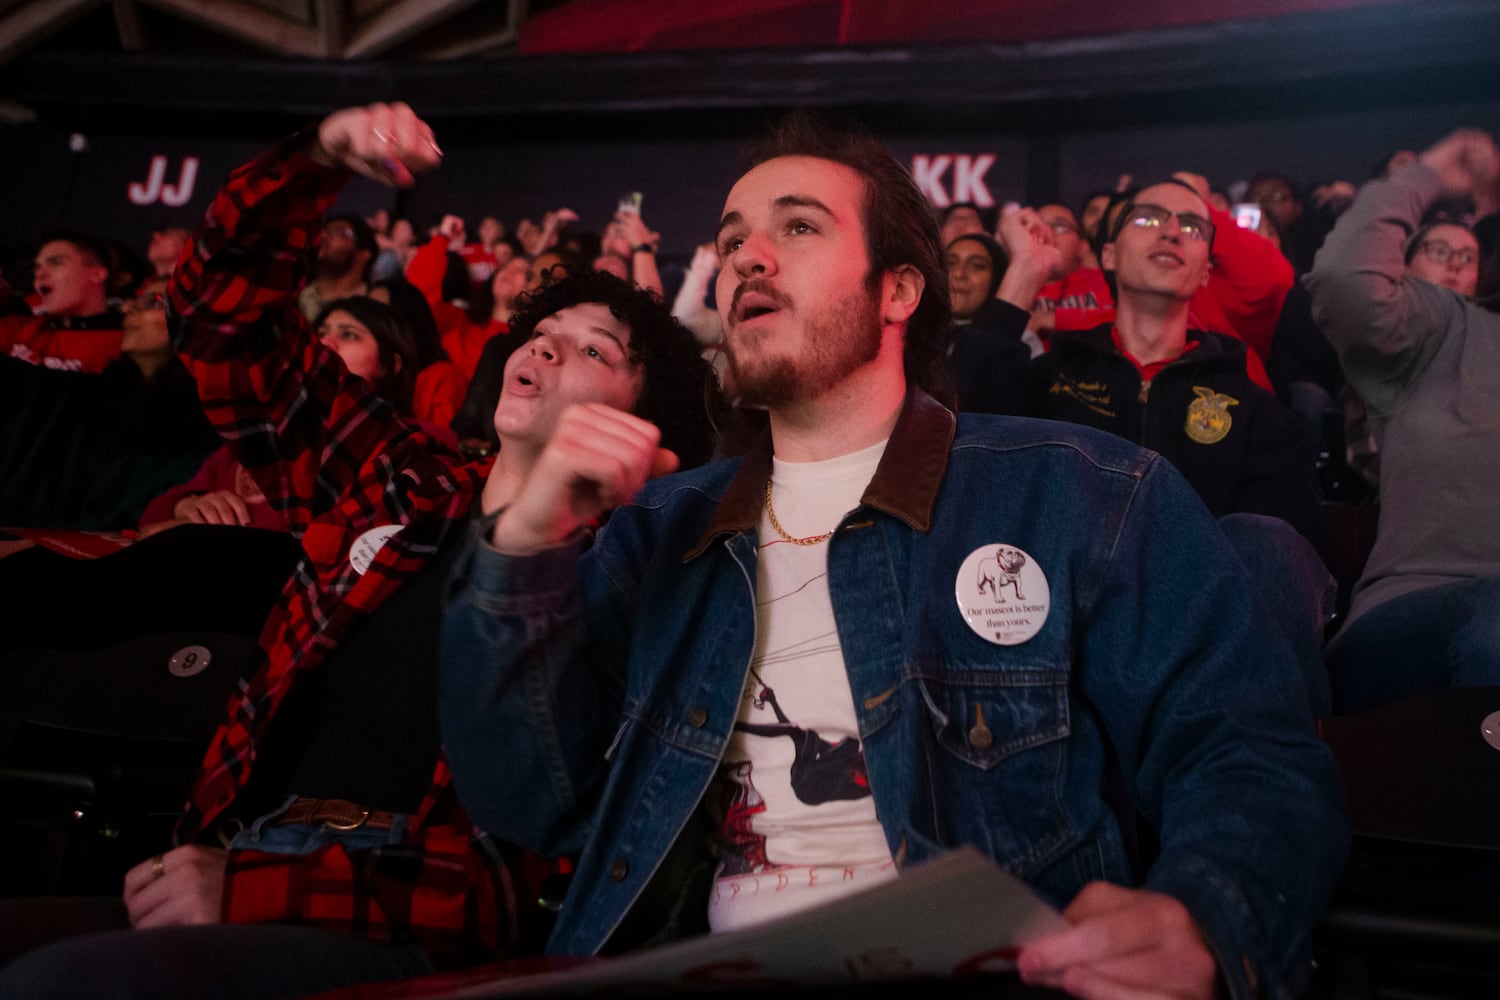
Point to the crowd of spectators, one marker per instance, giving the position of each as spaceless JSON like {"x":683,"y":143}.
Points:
{"x":102,"y":429}
{"x":1284,"y":349}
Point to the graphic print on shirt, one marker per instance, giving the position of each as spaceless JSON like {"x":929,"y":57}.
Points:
{"x":821,"y":772}
{"x":1086,"y":300}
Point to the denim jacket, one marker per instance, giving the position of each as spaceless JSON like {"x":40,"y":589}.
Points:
{"x":587,"y":697}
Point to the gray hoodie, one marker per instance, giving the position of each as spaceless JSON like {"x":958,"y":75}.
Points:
{"x":1426,"y":360}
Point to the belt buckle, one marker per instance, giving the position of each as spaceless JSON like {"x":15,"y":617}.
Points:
{"x":344,"y":827}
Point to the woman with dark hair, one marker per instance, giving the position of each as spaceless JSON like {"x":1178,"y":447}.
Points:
{"x":439,"y":388}
{"x":374,"y":343}
{"x":987,"y":361}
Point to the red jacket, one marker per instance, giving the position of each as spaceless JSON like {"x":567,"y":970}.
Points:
{"x":88,"y":345}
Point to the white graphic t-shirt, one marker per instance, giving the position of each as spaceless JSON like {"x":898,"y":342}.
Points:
{"x":797,"y":824}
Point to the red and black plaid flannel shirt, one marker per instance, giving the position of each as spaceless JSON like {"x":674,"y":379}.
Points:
{"x":337,"y":461}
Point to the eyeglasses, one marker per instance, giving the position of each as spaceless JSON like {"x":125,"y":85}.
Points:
{"x":1440,"y":253}
{"x":1060,"y":227}
{"x":1194,"y":227}
{"x":343,"y":232}
{"x":150,"y":301}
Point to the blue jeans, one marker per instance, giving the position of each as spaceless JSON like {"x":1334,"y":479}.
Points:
{"x":307,"y":838}
{"x":1445,"y":636}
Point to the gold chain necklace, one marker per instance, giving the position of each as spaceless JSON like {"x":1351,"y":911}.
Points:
{"x":809,"y":540}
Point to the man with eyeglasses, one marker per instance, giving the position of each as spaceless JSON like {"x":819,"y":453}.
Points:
{"x":1183,"y":392}
{"x":1076,"y":297}
{"x":1445,"y":252}
{"x":1243,"y":297}
{"x":346,"y":251}
{"x":1426,"y":360}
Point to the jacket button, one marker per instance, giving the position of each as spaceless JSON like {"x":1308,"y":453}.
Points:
{"x":980,"y":737}
{"x":698,"y":717}
{"x":619,"y":870}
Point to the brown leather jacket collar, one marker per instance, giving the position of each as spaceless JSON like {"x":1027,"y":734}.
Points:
{"x":905,"y":485}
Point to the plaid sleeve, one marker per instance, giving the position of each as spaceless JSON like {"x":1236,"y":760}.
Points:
{"x":288,"y":408}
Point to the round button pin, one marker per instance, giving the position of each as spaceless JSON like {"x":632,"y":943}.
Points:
{"x":1002,"y":593}
{"x":1490,"y":729}
{"x":189,"y":661}
{"x":362,"y":553}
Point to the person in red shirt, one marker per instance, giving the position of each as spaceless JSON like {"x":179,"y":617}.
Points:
{"x":463,"y":339}
{"x":75,"y":330}
{"x":1246,"y":288}
{"x":440,"y":385}
{"x":1077,"y":297}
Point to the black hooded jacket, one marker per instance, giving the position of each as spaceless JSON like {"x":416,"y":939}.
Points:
{"x":1233,"y":441}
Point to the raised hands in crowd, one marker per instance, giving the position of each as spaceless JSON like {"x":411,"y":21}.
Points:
{"x":1033,"y":253}
{"x":1169,"y":349}
{"x":1468,"y":164}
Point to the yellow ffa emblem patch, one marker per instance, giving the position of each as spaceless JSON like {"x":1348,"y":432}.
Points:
{"x":1208,"y":417}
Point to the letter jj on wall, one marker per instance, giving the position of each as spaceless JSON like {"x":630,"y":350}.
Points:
{"x":154,"y":189}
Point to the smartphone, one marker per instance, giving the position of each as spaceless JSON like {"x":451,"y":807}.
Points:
{"x":1247,"y":215}
{"x":630,"y":202}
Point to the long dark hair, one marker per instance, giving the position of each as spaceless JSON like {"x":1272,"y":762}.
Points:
{"x":393,"y":339}
{"x":407,"y":300}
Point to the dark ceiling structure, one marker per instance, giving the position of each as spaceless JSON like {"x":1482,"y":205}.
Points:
{"x":364,"y":30}
{"x":251,"y":66}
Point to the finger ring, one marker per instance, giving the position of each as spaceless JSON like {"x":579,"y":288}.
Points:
{"x":383,"y":136}
{"x":158,"y":868}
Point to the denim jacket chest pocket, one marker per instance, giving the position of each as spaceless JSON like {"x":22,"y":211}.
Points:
{"x":996,"y":757}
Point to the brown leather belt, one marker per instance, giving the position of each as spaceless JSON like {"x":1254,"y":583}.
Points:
{"x":336,"y":814}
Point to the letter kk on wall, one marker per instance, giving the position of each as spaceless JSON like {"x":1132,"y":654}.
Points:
{"x":968,"y":178}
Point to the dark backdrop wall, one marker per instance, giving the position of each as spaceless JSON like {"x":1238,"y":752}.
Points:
{"x":1315,"y":96}
{"x":107,"y":188}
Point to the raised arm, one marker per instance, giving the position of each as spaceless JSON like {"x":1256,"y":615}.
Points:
{"x":1028,"y":244}
{"x":528,"y":699}
{"x":1249,"y":282}
{"x":690,"y":308}
{"x":294,"y":416}
{"x":1385,"y":324}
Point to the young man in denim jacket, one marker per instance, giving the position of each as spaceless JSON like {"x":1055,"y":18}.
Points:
{"x":959,"y":625}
